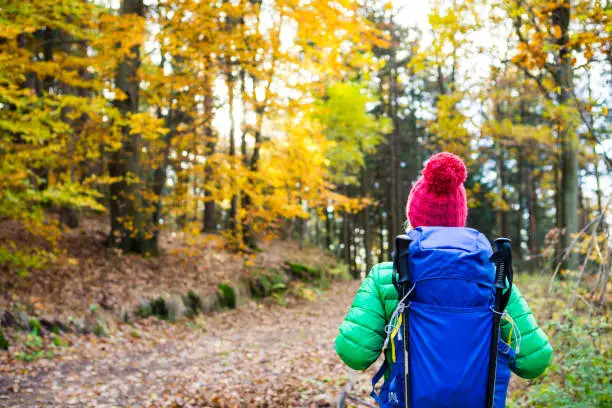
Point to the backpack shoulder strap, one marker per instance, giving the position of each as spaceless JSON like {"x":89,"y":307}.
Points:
{"x":401,"y":262}
{"x":402,"y":279}
{"x":504,"y":274}
{"x":502,"y":257}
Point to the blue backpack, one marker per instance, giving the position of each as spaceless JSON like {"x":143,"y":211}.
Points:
{"x":445,"y":349}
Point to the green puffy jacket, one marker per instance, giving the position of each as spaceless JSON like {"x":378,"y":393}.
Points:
{"x":362,"y":333}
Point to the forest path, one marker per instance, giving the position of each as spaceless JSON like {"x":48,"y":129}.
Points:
{"x":255,"y":356}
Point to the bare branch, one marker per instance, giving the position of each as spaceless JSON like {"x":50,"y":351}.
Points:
{"x":592,"y":133}
{"x":568,"y":250}
{"x":538,"y":81}
{"x":585,"y":263}
{"x":606,"y":274}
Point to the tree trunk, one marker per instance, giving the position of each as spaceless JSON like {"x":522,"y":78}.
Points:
{"x":247,"y":232}
{"x":583,"y":209}
{"x":69,"y":216}
{"x":316,"y":241}
{"x":353,"y":247}
{"x":365,"y":223}
{"x":502,"y":214}
{"x":130,"y":230}
{"x":233,"y":213}
{"x":567,"y":136}
{"x":597,"y":182}
{"x":329,"y":228}
{"x":532,"y":200}
{"x":381,"y":236}
{"x":558,"y":202}
{"x":517,"y":239}
{"x":396,"y":217}
{"x":209,"y":223}
{"x":393,"y":185}
{"x":160,"y":174}
{"x":346,"y":238}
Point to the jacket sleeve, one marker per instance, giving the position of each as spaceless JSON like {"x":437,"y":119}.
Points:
{"x":362,"y":333}
{"x":535,"y":351}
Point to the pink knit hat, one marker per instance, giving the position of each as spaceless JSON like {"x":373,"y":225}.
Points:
{"x":438,"y":198}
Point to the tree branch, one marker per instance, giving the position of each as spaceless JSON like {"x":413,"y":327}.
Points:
{"x":592,"y":133}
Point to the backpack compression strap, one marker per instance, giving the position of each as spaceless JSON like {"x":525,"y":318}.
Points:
{"x":503,"y":273}
{"x":402,"y":282}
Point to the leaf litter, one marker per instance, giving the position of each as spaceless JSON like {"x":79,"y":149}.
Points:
{"x":259,"y":355}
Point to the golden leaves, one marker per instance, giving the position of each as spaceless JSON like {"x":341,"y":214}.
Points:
{"x":149,"y":127}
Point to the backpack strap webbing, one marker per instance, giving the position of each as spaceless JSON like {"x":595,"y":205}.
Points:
{"x":502,"y":257}
{"x":402,"y":281}
{"x":379,"y":374}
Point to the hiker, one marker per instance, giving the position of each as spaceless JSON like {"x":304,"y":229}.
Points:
{"x":438,"y":199}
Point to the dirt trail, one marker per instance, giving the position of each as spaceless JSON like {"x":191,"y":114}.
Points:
{"x":258,"y":355}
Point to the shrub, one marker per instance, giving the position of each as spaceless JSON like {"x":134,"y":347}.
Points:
{"x":226,"y":296}
{"x":4,"y":344}
{"x":143,"y":310}
{"x":193,"y":303}
{"x":156,"y":307}
{"x":267,"y":283}
{"x":58,"y":341}
{"x":34,"y":347}
{"x":159,"y":308}
{"x":34,"y":326}
{"x":581,"y":370}
{"x":304,"y":272}
{"x":100,"y":329}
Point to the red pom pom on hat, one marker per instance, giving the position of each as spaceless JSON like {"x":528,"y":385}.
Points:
{"x":438,"y":198}
{"x":444,"y":173}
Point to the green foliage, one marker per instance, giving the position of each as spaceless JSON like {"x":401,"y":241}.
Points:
{"x":340,"y":272}
{"x":581,"y":369}
{"x":100,"y":329}
{"x":267,"y":283}
{"x":33,"y":347}
{"x":304,"y":291}
{"x":59,"y":342}
{"x":159,"y":308}
{"x":317,"y":277}
{"x":4,"y":344}
{"x":353,"y":131}
{"x":144,"y":310}
{"x":300,"y":280}
{"x":226,"y":296}
{"x":34,"y":326}
{"x":23,"y":260}
{"x":193,"y":303}
{"x":279,"y":297}
{"x":94,"y":309}
{"x":304,"y":272}
{"x":156,"y":307}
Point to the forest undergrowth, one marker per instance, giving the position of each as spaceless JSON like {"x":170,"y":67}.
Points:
{"x":267,"y":354}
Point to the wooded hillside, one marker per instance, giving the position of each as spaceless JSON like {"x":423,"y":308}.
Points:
{"x":254,"y":119}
